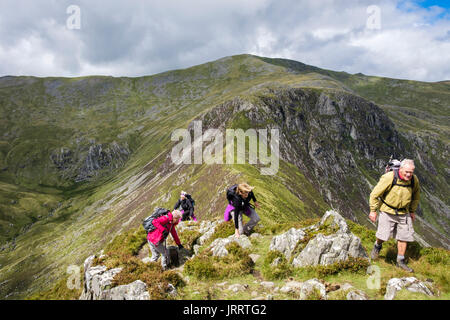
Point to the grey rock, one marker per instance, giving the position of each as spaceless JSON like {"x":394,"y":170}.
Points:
{"x":102,"y":282}
{"x":410,"y":283}
{"x":98,"y":285}
{"x":218,"y":246}
{"x":207,"y":228}
{"x":286,"y":242}
{"x":337,"y":247}
{"x":100,"y":156}
{"x":326,"y":105}
{"x":88,"y":158}
{"x":335,"y":220}
{"x":325,"y":250}
{"x":312,"y":286}
{"x":136,"y":290}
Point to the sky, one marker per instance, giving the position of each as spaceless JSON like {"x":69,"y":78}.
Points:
{"x":405,"y":39}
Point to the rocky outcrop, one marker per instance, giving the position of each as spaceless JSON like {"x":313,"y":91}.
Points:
{"x":136,"y":290}
{"x":333,"y":220}
{"x":98,"y":285}
{"x":321,"y":249}
{"x":411,"y":283}
{"x":218,"y":246}
{"x":286,"y":242}
{"x":87,"y":158}
{"x":325,"y":250}
{"x":207,"y":228}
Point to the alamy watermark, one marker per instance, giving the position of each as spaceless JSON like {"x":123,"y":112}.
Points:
{"x":74,"y":280}
{"x":374,"y":20}
{"x":188,"y":152}
{"x":73,"y":22}
{"x":374,"y":280}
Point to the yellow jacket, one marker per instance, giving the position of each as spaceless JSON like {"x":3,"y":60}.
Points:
{"x":398,"y":197}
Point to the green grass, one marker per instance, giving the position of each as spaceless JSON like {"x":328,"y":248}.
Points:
{"x":61,"y":290}
{"x":281,"y":271}
{"x":206,"y":266}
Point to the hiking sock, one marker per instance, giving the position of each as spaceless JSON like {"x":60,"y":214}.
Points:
{"x":400,"y":258}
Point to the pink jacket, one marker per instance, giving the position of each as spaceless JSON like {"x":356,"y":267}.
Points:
{"x":161,"y":224}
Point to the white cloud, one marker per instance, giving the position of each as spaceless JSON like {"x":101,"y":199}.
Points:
{"x":328,"y":33}
{"x":145,"y":37}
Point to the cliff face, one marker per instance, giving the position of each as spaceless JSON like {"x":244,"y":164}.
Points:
{"x":88,"y":160}
{"x":84,"y":159}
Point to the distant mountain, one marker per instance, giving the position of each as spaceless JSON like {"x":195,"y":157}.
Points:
{"x":83,"y":159}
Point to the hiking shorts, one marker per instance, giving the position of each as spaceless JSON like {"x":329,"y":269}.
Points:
{"x":399,"y":227}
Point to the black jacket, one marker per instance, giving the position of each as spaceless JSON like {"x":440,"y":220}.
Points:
{"x":186,"y":205}
{"x":240,"y":204}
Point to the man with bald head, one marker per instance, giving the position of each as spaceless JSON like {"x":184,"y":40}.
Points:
{"x":397,"y":196}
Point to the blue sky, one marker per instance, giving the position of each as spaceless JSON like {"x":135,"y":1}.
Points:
{"x":429,"y":3}
{"x":396,"y":39}
{"x":413,"y":5}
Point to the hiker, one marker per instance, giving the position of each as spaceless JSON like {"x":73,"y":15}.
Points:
{"x":239,"y":197}
{"x":397,"y":196}
{"x":185,"y":204}
{"x":164,"y":225}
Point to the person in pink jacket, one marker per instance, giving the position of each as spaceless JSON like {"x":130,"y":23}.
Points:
{"x":156,"y":239}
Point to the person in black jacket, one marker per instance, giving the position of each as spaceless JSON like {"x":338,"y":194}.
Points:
{"x":186,"y":206}
{"x":240,"y":200}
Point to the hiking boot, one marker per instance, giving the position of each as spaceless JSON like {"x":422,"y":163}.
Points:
{"x":375,"y":252}
{"x":402,"y":264}
{"x":247,"y":232}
